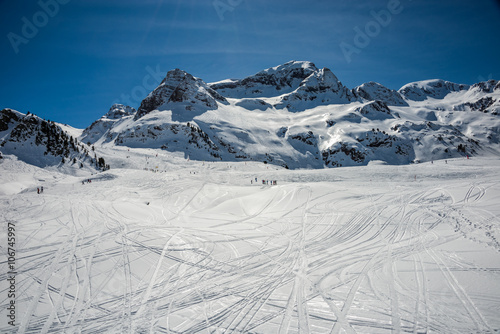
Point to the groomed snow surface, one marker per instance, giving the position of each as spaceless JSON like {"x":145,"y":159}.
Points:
{"x":199,"y":248}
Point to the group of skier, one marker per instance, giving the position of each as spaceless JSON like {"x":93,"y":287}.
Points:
{"x":39,"y":190}
{"x":264,"y":182}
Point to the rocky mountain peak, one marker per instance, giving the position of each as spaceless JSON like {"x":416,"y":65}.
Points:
{"x":118,"y":111}
{"x":320,"y":88}
{"x":180,"y":90}
{"x":270,"y":82}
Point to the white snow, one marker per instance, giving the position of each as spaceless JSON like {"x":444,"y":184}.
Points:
{"x":197,"y":247}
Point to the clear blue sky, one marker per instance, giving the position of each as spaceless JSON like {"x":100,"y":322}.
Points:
{"x":85,"y":55}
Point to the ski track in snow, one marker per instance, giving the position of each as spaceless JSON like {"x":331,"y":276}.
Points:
{"x":376,"y":249}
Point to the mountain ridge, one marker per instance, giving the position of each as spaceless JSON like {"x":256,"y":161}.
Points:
{"x":44,"y":143}
{"x":300,"y":116}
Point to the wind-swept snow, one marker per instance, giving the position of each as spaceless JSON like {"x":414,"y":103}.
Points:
{"x":203,"y":247}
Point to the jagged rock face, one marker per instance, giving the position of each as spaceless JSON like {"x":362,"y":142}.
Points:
{"x":267,"y":83}
{"x":321,"y":87}
{"x":486,"y":105}
{"x":372,"y":91}
{"x":118,"y":111}
{"x":297,"y":83}
{"x":7,"y":117}
{"x":180,"y":89}
{"x":438,"y":89}
{"x":487,"y":86}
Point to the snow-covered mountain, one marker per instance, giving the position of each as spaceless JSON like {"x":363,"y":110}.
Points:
{"x":44,"y":143}
{"x":299,"y":116}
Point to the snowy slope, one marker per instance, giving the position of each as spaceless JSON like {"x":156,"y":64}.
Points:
{"x":201,"y":247}
{"x":218,"y":214}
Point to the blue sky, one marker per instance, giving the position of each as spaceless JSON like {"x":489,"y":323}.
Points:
{"x":82,"y":56}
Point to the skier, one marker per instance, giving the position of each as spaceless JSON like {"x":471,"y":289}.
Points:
{"x":38,"y":190}
{"x":41,"y":189}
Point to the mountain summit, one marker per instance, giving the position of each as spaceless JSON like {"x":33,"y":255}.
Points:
{"x":183,"y":93}
{"x":270,"y":82}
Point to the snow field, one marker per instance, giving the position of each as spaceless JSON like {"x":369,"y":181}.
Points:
{"x":197,"y":247}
